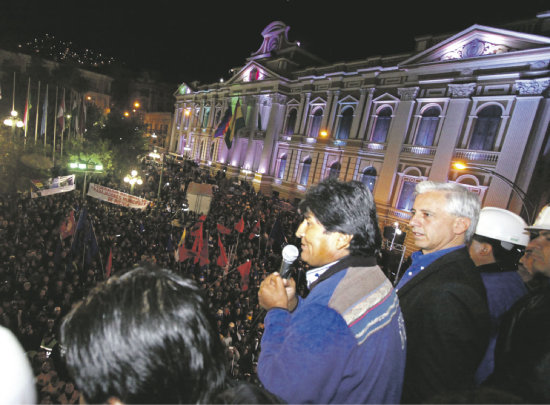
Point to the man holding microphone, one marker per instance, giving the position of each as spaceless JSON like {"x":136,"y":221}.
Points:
{"x":345,"y":342}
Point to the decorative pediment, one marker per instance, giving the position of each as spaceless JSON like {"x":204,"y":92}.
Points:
{"x":318,"y":101}
{"x":478,"y":41}
{"x":348,"y":100}
{"x":385,"y":98}
{"x":254,"y":72}
{"x":183,"y":89}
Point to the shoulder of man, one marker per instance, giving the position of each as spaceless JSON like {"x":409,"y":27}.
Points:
{"x":366,"y":300}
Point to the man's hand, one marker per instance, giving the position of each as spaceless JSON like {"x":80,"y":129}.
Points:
{"x":276,"y":292}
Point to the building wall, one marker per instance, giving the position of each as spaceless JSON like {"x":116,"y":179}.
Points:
{"x":479,"y":96}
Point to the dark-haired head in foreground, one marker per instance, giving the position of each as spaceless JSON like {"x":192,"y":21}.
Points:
{"x":144,"y":337}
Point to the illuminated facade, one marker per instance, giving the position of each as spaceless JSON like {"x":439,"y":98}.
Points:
{"x":479,"y":96}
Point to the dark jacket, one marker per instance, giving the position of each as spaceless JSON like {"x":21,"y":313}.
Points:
{"x":447,"y":324}
{"x":522,"y":354}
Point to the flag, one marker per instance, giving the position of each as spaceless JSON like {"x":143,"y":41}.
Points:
{"x":109,"y":266}
{"x":67,"y":227}
{"x":27,"y":108}
{"x":44,"y":113}
{"x":222,"y":257}
{"x":237,"y":122}
{"x":202,"y":218}
{"x":203,"y":259}
{"x":61,"y":113}
{"x":183,"y":254}
{"x":239,"y":226}
{"x":224,"y":124}
{"x":182,"y":239}
{"x":255,"y":231}
{"x":223,"y":229}
{"x":244,"y":270}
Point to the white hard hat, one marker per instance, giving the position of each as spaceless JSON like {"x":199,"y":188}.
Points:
{"x":500,"y":224}
{"x":543,"y":220}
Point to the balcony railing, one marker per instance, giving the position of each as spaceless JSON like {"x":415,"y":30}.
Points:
{"x":419,"y":150}
{"x":476,"y":155}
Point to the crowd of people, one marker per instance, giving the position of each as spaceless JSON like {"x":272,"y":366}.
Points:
{"x":43,"y":275}
{"x":337,"y":322}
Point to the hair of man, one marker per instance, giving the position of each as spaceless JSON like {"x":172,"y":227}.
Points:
{"x":348,"y":208}
{"x":460,"y":202}
{"x":145,"y":336}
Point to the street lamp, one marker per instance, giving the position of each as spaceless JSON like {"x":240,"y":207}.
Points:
{"x":528,"y":206}
{"x":133,"y":178}
{"x":85,"y":167}
{"x":156,"y":155}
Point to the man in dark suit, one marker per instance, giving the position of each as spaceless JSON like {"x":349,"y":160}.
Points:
{"x":442,"y":295}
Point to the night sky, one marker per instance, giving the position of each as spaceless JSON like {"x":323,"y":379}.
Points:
{"x":201,"y":40}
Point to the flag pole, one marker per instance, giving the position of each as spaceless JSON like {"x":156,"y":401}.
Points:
{"x":54,"y":125}
{"x":36,"y":120}
{"x":63,"y":127}
{"x":26,"y":117}
{"x":45,"y":117}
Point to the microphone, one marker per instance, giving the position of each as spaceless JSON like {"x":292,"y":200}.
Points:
{"x":290,"y":254}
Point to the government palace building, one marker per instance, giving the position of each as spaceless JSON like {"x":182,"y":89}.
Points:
{"x":478,"y":97}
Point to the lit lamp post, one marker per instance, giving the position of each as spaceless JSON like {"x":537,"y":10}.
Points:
{"x":133,"y":178}
{"x":528,"y":206}
{"x":155,"y":155}
{"x":13,"y":121}
{"x":85,"y":168}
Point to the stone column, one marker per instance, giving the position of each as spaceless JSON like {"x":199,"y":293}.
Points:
{"x":274,"y":126}
{"x":303,"y":114}
{"x":394,"y":143}
{"x":451,"y":129}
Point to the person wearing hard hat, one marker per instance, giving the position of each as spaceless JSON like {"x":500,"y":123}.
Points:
{"x":496,"y":248}
{"x":539,"y":246}
{"x":522,"y":352}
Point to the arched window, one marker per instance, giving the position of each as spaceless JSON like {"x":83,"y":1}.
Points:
{"x":369,"y":177}
{"x":485,"y":129}
{"x":305,"y":171}
{"x":334,"y":171}
{"x":382,"y":125}
{"x":344,"y":125}
{"x":291,"y":122}
{"x":427,"y":127}
{"x":315,"y":123}
{"x":406,"y":197}
{"x":282,"y":165}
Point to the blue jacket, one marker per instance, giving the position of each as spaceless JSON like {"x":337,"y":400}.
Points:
{"x":344,"y":343}
{"x":504,"y":288}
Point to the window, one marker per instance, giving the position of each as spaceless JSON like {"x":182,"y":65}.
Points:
{"x":369,"y":178}
{"x":428,"y":127}
{"x":305,"y":172}
{"x":485,"y":129}
{"x":334,"y":171}
{"x":291,"y":122}
{"x":344,"y":125}
{"x":315,"y":123}
{"x":406,"y":198}
{"x":382,"y":125}
{"x":205,"y":116}
{"x":282,"y":165}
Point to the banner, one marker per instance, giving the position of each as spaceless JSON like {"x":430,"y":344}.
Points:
{"x":117,"y":197}
{"x":56,"y":185}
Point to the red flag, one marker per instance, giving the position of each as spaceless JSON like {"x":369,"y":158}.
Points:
{"x":203,"y":259}
{"x":202,"y":218}
{"x":222,"y":257}
{"x":67,"y":228}
{"x":184,"y":254}
{"x":255,"y":231}
{"x":239,"y":226}
{"x":109,"y":266}
{"x":244,"y":269}
{"x":196,"y":231}
{"x":223,"y":229}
